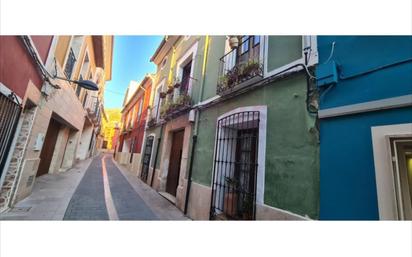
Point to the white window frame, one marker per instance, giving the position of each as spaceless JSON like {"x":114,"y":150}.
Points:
{"x":260,"y":182}
{"x":385,"y":181}
{"x":189,"y":55}
{"x":163,"y":63}
{"x":306,"y":42}
{"x":158,"y":101}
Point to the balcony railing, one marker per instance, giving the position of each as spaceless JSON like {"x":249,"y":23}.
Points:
{"x":240,"y":67}
{"x":71,"y":59}
{"x":175,"y":105}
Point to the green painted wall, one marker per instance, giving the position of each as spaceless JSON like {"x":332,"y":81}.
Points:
{"x":292,"y":151}
{"x":284,"y":49}
{"x":216,"y":51}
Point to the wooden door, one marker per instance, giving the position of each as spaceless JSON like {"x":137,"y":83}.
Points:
{"x":48,"y":147}
{"x":174,"y":163}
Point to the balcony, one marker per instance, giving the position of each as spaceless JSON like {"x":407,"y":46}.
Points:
{"x":240,"y":67}
{"x":175,"y":105}
{"x":152,"y":117}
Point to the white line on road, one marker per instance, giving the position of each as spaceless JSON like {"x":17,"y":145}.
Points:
{"x":111,"y":209}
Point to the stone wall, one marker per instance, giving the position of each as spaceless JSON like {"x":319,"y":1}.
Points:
{"x":13,"y":171}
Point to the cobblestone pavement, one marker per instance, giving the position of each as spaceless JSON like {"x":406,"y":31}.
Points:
{"x":89,"y":203}
{"x":93,"y":191}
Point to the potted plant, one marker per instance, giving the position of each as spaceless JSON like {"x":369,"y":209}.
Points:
{"x":162,"y":94}
{"x":251,"y":69}
{"x":231,"y":197}
{"x":170,"y":90}
{"x":151,"y":122}
{"x":232,"y":76}
{"x":164,"y":109}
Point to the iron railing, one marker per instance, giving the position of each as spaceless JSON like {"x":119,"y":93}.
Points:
{"x":71,"y":59}
{"x":241,"y":66}
{"x":235,"y":167}
{"x":146,"y":158}
{"x":9,"y":118}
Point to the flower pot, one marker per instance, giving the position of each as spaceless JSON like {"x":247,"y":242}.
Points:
{"x":233,"y":42}
{"x":230,"y":204}
{"x":162,"y":94}
{"x":170,"y":90}
{"x":177,"y":85}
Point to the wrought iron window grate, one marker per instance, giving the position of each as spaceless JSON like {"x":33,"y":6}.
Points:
{"x":235,"y":166}
{"x":146,"y":158}
{"x":9,"y":117}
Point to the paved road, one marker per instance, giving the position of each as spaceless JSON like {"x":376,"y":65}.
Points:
{"x":104,"y":193}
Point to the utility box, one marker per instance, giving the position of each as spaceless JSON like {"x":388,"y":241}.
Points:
{"x":327,"y":74}
{"x":192,"y":115}
{"x":38,"y":144}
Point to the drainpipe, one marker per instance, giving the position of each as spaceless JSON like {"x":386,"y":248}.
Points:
{"x":189,"y":178}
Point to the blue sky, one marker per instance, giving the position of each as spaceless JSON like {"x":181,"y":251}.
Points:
{"x":131,"y":61}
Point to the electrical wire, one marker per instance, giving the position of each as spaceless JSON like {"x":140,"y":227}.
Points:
{"x":46,"y":75}
{"x":331,"y":52}
{"x":113,"y":92}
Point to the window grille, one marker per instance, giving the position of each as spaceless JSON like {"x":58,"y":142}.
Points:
{"x":235,"y":167}
{"x":9,"y":117}
{"x":146,"y":158}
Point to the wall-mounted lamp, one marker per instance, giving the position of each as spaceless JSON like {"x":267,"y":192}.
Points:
{"x":87,"y":84}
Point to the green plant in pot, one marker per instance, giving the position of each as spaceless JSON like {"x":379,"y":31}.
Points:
{"x":182,"y":100}
{"x":164,"y":109}
{"x":232,"y":76}
{"x":251,"y":69}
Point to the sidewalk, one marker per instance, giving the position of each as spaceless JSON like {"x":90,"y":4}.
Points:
{"x":80,"y":194}
{"x":158,"y":204}
{"x":50,"y":196}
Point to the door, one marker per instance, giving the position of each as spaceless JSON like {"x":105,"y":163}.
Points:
{"x":402,"y":164}
{"x":175,"y":161}
{"x":47,"y":150}
{"x":146,"y":158}
{"x":245,"y":171}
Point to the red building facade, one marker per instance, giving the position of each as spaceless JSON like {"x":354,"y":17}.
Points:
{"x":134,"y":116}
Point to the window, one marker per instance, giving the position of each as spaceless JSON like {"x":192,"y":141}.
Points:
{"x":401,"y":152}
{"x":236,"y":166}
{"x":186,"y":78}
{"x":184,"y":69}
{"x":244,"y":47}
{"x":71,"y":59}
{"x":158,"y":100}
{"x":392,"y":153}
{"x":256,"y":40}
{"x":163,"y":64}
{"x":242,"y":65}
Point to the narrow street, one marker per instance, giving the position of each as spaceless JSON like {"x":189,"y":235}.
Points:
{"x":95,"y":189}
